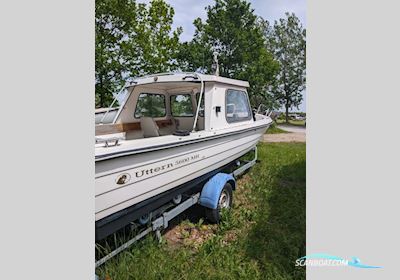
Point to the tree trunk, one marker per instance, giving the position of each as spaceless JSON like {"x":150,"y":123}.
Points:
{"x":287,"y":113}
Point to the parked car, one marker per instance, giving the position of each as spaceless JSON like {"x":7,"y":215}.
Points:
{"x":299,"y":118}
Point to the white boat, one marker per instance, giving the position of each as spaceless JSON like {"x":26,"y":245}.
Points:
{"x":171,"y":134}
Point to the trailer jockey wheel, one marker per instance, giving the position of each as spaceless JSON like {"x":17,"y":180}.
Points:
{"x":224,"y":202}
{"x":144,"y":220}
{"x":177,"y":199}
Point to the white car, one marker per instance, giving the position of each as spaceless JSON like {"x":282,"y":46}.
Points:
{"x":299,"y":118}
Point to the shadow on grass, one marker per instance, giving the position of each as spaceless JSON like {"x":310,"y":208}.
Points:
{"x":193,"y":215}
{"x":278,"y":237}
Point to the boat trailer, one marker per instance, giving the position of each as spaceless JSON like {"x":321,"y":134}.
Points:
{"x":162,"y":222}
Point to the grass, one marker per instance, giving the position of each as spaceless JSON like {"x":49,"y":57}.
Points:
{"x":274,"y":129}
{"x":260,"y":238}
{"x":292,"y":122}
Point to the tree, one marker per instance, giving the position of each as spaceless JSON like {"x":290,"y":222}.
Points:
{"x":237,"y":34}
{"x":152,"y":46}
{"x":287,"y":41}
{"x":131,"y":40}
{"x":112,"y":20}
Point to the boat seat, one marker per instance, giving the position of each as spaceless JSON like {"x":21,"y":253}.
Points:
{"x":149,"y":127}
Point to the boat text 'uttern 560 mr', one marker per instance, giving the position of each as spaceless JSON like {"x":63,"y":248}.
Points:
{"x":171,"y":135}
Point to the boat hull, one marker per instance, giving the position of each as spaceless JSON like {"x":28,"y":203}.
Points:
{"x":152,"y":173}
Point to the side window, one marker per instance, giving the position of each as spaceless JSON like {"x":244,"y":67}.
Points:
{"x":150,"y":105}
{"x":181,"y":105}
{"x":201,"y":112}
{"x":237,"y":106}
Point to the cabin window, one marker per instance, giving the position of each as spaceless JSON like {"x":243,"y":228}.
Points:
{"x":237,"y":106}
{"x":181,"y":105}
{"x":150,"y":105}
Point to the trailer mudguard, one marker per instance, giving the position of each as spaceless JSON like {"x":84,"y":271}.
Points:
{"x":212,"y":189}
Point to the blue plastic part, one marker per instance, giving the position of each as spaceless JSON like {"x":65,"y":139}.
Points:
{"x":212,"y":189}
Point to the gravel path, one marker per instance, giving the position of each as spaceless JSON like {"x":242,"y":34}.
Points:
{"x":296,"y":134}
{"x":293,"y":128}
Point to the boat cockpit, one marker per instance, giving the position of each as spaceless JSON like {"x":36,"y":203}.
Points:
{"x":151,"y":111}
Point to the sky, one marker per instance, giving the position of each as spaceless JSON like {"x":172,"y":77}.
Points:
{"x":186,"y":11}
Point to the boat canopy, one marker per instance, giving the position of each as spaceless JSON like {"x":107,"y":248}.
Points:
{"x":174,"y":90}
{"x":188,"y":77}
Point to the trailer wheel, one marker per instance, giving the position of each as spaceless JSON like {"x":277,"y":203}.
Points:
{"x":224,"y":202}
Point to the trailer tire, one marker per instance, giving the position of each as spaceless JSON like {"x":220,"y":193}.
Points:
{"x":224,"y":201}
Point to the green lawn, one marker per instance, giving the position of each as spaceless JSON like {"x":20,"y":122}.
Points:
{"x":273,"y":129}
{"x":292,"y":122}
{"x":260,"y":238}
